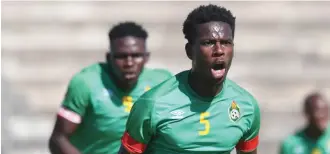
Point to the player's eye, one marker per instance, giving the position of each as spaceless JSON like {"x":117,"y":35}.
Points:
{"x":208,"y":43}
{"x":125,"y":56}
{"x":137,"y":55}
{"x":120,"y":56}
{"x":226,"y":42}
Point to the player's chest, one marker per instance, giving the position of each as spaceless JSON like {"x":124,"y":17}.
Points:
{"x":111,"y":106}
{"x":220,"y":129}
{"x":108,"y":113}
{"x":108,"y":103}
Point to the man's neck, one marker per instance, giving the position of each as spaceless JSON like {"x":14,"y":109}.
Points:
{"x":123,"y":86}
{"x":313,"y":132}
{"x":202,"y":86}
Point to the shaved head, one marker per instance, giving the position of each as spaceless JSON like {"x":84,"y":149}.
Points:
{"x":316,"y":109}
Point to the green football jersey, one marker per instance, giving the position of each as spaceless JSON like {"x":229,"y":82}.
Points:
{"x":299,"y":143}
{"x":172,"y":119}
{"x":100,"y":108}
{"x":156,"y":75}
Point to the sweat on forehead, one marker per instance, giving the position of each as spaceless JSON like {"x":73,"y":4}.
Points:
{"x":215,"y":29}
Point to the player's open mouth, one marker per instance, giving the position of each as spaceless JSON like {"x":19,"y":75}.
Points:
{"x":218,"y":69}
{"x":130,"y":75}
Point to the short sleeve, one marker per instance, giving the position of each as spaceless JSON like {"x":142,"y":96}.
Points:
{"x":250,"y":139}
{"x":75,"y":101}
{"x":139,"y":128}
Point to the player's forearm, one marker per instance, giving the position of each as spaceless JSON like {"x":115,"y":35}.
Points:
{"x":122,"y":150}
{"x":252,"y":152}
{"x":59,"y":144}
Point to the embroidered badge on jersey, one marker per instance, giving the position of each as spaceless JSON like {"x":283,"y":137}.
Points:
{"x":234,"y":111}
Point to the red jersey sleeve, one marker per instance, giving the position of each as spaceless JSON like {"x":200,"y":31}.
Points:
{"x":248,"y":146}
{"x":131,"y":145}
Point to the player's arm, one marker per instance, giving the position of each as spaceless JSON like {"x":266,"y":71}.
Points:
{"x":139,"y":129}
{"x":250,"y":140}
{"x":58,"y":142}
{"x":252,"y":152}
{"x":69,"y":117}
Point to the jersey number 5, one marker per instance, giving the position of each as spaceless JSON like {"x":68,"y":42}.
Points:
{"x":205,"y":122}
{"x":128,"y":103}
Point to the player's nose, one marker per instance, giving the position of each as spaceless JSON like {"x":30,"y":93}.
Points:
{"x":129,"y":61}
{"x":218,"y":50}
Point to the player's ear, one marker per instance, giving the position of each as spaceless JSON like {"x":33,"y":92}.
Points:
{"x":108,"y":56}
{"x":188,"y":48}
{"x":146,"y":57}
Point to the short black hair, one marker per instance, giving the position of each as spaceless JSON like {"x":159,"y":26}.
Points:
{"x":204,"y":14}
{"x":128,"y":28}
{"x":310,"y":99}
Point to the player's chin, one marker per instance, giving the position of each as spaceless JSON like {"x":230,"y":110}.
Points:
{"x":323,"y":125}
{"x":131,"y":79}
{"x":130,"y":76}
{"x":218,"y":79}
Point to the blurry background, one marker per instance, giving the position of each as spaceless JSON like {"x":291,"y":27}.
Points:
{"x":282,"y":53}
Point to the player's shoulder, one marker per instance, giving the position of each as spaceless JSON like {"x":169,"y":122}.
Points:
{"x":161,"y":96}
{"x":293,"y":139}
{"x":165,"y":88}
{"x":95,"y":68}
{"x":240,"y":92}
{"x":156,"y":75}
{"x":162,"y":71}
{"x":87,"y":75}
{"x":328,"y":130}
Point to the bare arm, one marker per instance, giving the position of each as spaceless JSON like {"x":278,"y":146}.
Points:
{"x":252,"y":152}
{"x":59,"y":142}
{"x":69,"y":115}
{"x":122,"y":150}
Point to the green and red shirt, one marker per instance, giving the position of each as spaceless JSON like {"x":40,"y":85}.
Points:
{"x":172,"y":119}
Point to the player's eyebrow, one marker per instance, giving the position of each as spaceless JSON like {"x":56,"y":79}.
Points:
{"x":215,"y":39}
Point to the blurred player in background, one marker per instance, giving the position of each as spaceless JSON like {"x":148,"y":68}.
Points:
{"x":199,"y":110}
{"x":315,"y":137}
{"x":99,"y":98}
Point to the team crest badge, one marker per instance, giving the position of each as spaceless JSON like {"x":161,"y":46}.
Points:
{"x":234,"y":111}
